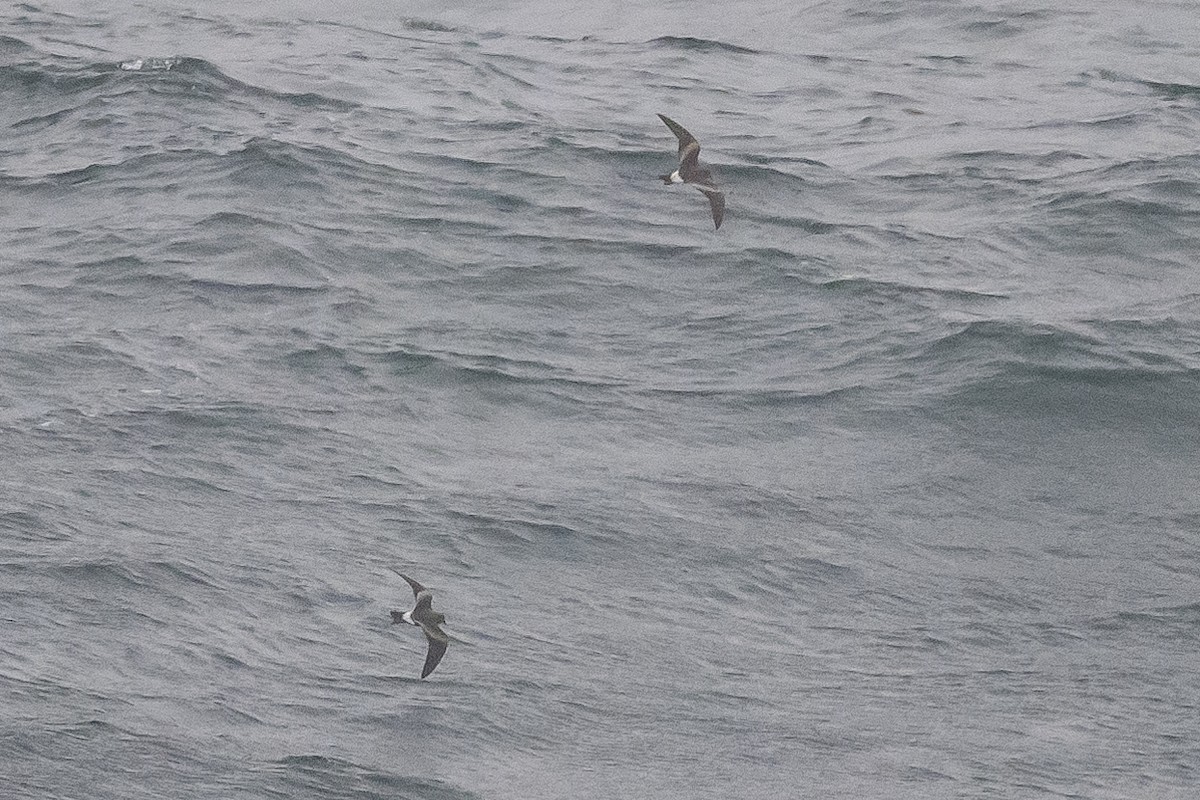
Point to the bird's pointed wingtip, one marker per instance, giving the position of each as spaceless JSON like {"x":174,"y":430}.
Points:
{"x":675,"y":127}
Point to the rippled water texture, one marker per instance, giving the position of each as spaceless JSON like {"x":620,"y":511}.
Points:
{"x":887,"y":488}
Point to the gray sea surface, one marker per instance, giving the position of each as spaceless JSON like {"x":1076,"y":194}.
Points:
{"x":888,"y":488}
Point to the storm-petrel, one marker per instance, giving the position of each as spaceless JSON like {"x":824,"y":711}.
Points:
{"x":428,"y":620}
{"x":691,"y":172}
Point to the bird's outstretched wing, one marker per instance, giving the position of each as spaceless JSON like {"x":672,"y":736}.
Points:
{"x":716,"y":199}
{"x":416,"y":587}
{"x":689,"y":148}
{"x":438,"y":640}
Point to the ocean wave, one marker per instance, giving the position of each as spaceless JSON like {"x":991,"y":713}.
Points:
{"x":412,"y":24}
{"x":186,"y":419}
{"x":1171,"y":90}
{"x":132,"y":278}
{"x":198,"y":77}
{"x":486,"y":367}
{"x":1084,"y":376}
{"x":697,"y":45}
{"x":876,"y":288}
{"x":282,"y":169}
{"x":53,"y":92}
{"x":91,"y":745}
{"x":35,"y":84}
{"x":1174,"y":91}
{"x":335,"y":778}
{"x":1118,"y":224}
{"x":114,"y":579}
{"x":528,"y":531}
{"x":745,"y":399}
{"x":29,"y":526}
{"x":10,"y":45}
{"x":324,"y":359}
{"x":1042,"y":348}
{"x":1181,"y":623}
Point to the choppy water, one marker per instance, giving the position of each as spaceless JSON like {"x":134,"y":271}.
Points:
{"x":888,"y":488}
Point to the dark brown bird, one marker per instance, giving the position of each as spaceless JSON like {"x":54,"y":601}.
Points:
{"x":691,"y":172}
{"x":428,"y":620}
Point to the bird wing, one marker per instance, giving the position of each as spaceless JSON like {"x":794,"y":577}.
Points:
{"x":689,"y":148}
{"x":416,"y":587}
{"x":424,"y":602}
{"x":716,"y":199}
{"x":438,"y":640}
{"x":689,"y":162}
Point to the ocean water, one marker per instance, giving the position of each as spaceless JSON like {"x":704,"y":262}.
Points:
{"x":888,"y":488}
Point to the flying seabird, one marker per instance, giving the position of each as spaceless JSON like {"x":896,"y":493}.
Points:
{"x":428,"y":620}
{"x":690,"y":171}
